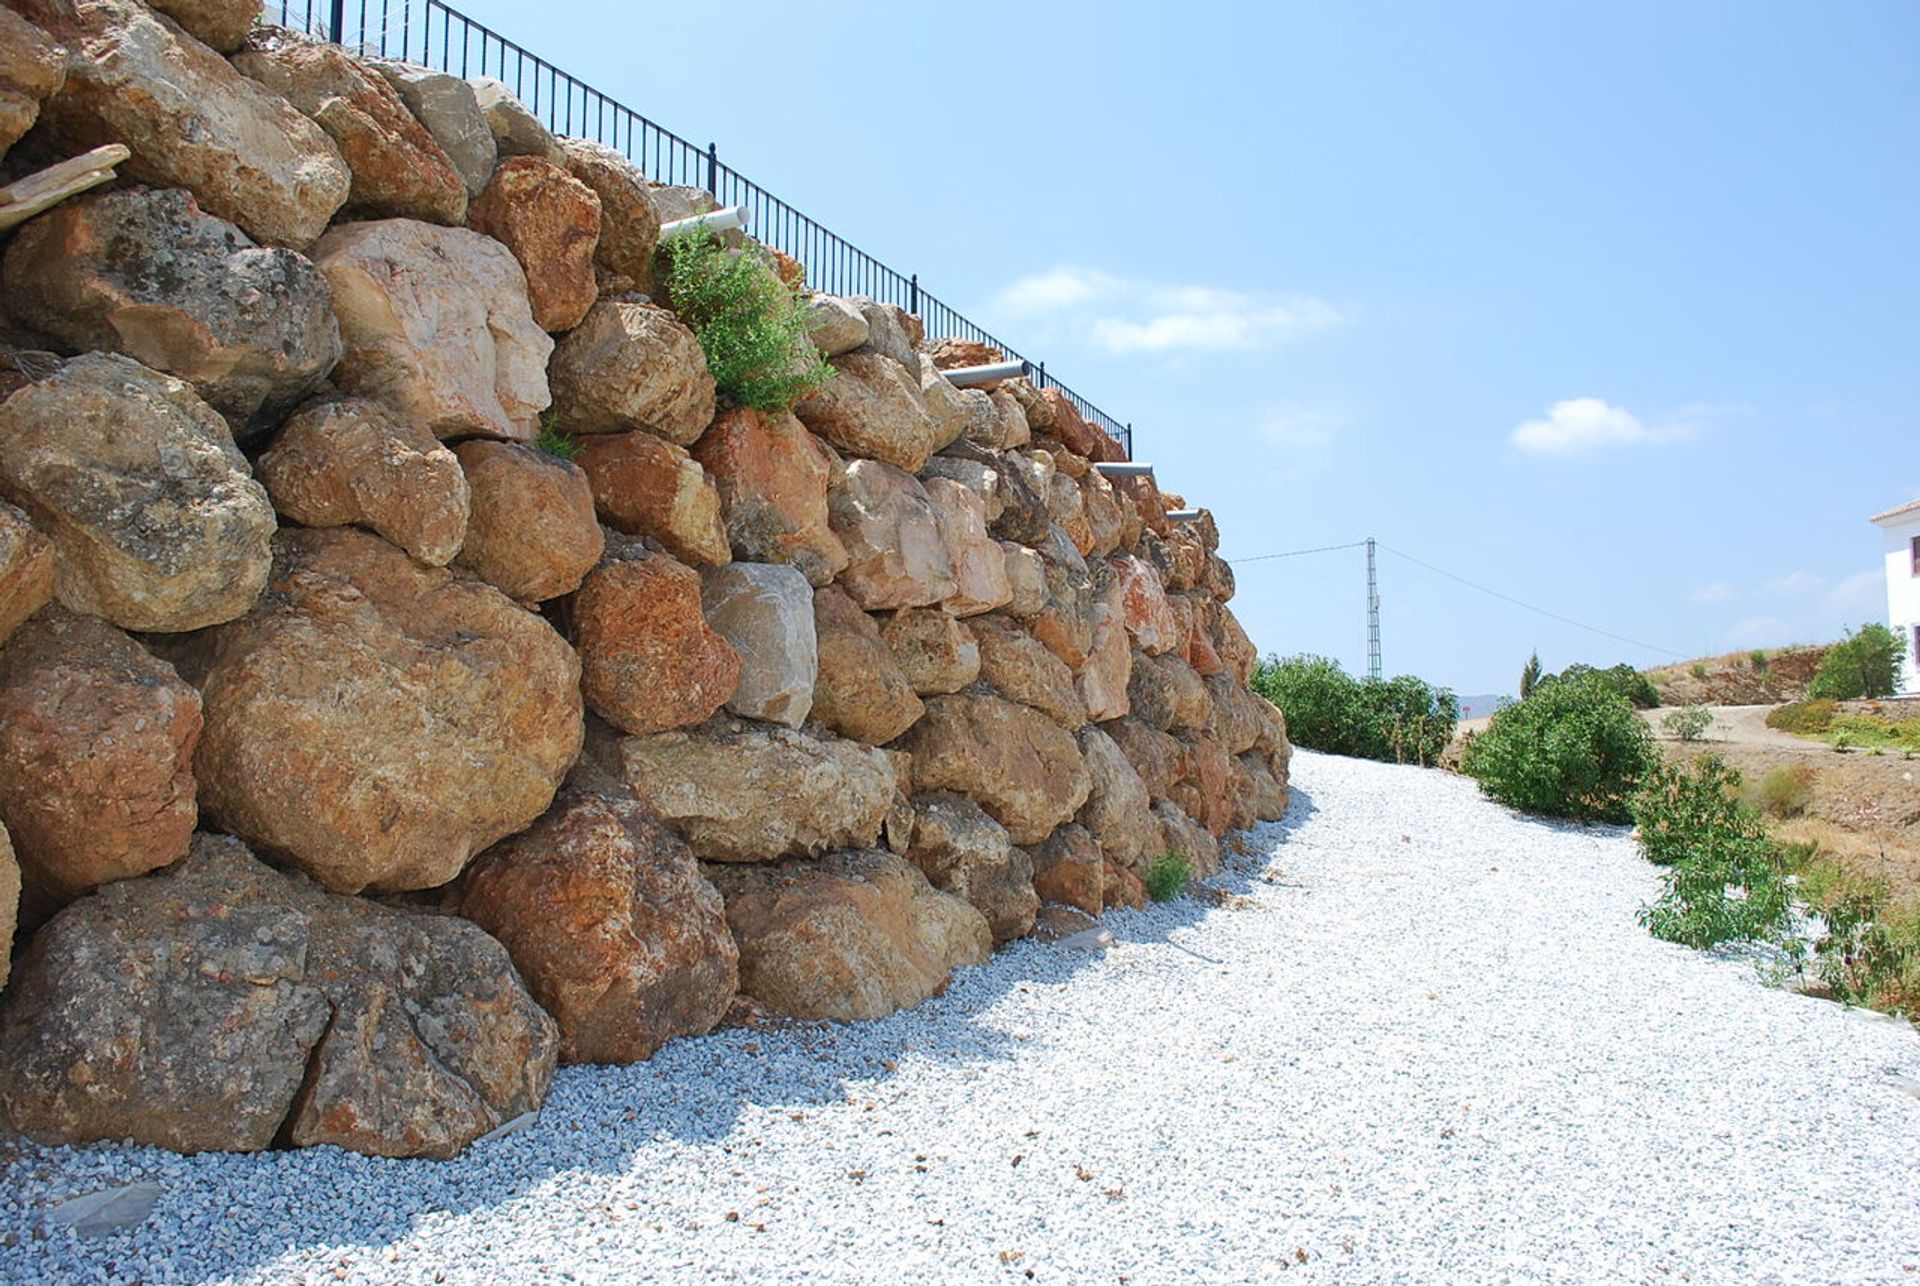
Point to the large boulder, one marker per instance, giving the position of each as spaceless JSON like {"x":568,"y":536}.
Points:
{"x":632,"y":366}
{"x":1019,"y":765}
{"x":1166,"y":693}
{"x":772,"y":477}
{"x":936,"y":653}
{"x":1183,"y":836}
{"x":436,"y":324}
{"x":765,"y":612}
{"x":218,"y":24}
{"x":610,"y":921}
{"x":873,"y":408}
{"x":1204,"y":788}
{"x":1150,"y":620}
{"x":96,"y":755}
{"x":351,"y":462}
{"x":449,"y":109}
{"x":532,"y":533}
{"x":1237,"y":652}
{"x":856,"y":935}
{"x":835,"y":325}
{"x":399,"y":171}
{"x":648,"y":659}
{"x":963,"y":851}
{"x":26,"y":570}
{"x":1105,"y":516}
{"x":979,"y":567}
{"x":1257,"y":790}
{"x":32,"y":67}
{"x":861,"y":691}
{"x":629,"y":225}
{"x":1026,"y":581}
{"x":952,"y":410}
{"x":147,"y":274}
{"x":516,"y":130}
{"x":1119,"y":809}
{"x":1236,"y":719}
{"x":155,"y":517}
{"x":1069,"y":869}
{"x":551,"y":222}
{"x":890,"y":334}
{"x":1159,"y":757}
{"x":376,"y":722}
{"x":751,"y":792}
{"x":891,"y":531}
{"x":1065,"y":622}
{"x":191,"y":120}
{"x":219,"y":1005}
{"x":646,"y":486}
{"x":1104,"y":676}
{"x":1019,"y":667}
{"x":1067,"y":507}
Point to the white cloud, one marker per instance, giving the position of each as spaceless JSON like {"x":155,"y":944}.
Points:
{"x":1125,"y":316}
{"x":1716,"y":592}
{"x":1589,"y":423}
{"x":1864,"y":591}
{"x":1796,"y":582}
{"x":1303,"y":437}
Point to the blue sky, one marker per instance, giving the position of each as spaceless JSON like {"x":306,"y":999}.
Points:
{"x":1612,"y":307}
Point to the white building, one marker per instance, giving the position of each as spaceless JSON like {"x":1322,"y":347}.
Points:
{"x":1900,"y":529}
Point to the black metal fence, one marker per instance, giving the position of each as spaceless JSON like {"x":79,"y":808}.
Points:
{"x":434,"y":35}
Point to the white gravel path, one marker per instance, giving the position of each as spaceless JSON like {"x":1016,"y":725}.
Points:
{"x":1428,"y":1044}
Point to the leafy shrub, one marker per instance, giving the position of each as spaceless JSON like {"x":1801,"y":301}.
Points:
{"x":1400,"y":720}
{"x":1864,"y":664}
{"x":1725,"y":879}
{"x":1575,"y":748}
{"x":1636,"y":687}
{"x":1167,"y":876}
{"x":1805,"y":718}
{"x":1785,"y":791}
{"x":1698,"y":669}
{"x":1869,"y":951}
{"x":749,"y":322}
{"x":1688,"y":722}
{"x":1758,"y":659}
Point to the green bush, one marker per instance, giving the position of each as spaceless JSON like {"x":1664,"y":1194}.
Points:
{"x":1636,"y":687}
{"x":1698,"y":669}
{"x":750,"y":324}
{"x":1864,"y":664}
{"x":1400,"y":720}
{"x":1804,"y":718}
{"x":1758,"y":659}
{"x":1785,"y":791}
{"x":1869,"y":951}
{"x":1167,"y":876}
{"x":1688,"y":722}
{"x":1675,"y":804}
{"x":1726,"y":879}
{"x":1575,"y":748}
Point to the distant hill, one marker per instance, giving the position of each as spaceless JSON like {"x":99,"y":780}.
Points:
{"x":1766,"y":676}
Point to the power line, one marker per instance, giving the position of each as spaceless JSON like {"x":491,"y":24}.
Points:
{"x":1295,"y":553}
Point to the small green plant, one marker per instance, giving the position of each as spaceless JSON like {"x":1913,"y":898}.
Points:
{"x":1698,"y":669}
{"x":1864,"y":664}
{"x":1575,"y":748}
{"x":750,"y":323}
{"x":1785,"y":791}
{"x":1803,"y":718}
{"x":554,"y":440}
{"x":1167,"y":876}
{"x":1726,"y":879}
{"x":1758,"y":659}
{"x":1688,"y":722}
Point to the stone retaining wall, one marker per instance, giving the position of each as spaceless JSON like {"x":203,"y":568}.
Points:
{"x":362,"y":760}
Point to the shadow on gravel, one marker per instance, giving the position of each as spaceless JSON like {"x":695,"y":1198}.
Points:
{"x":598,"y":1119}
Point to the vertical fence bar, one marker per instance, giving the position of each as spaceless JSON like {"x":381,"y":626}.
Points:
{"x":337,"y":21}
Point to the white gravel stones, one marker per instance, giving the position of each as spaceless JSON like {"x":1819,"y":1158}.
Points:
{"x":1424,"y":1041}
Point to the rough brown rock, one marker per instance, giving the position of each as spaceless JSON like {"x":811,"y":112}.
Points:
{"x":1104,"y":516}
{"x":937,"y":653}
{"x":892,"y":536}
{"x":766,"y":612}
{"x":975,"y":474}
{"x":646,"y":486}
{"x":9,"y":904}
{"x":1182,"y":835}
{"x":436,"y":324}
{"x":861,"y":692}
{"x":221,"y":1005}
{"x":1236,"y":720}
{"x":1065,"y":623}
{"x":516,"y":130}
{"x":979,"y":567}
{"x":1168,"y":694}
{"x":629,"y":225}
{"x":1122,"y":888}
{"x":1263,"y":795}
{"x":610,"y":921}
{"x":1119,"y":809}
{"x":191,"y":120}
{"x":219,"y":24}
{"x":1198,"y":651}
{"x":856,"y":935}
{"x":772,"y":477}
{"x":890,"y":333}
{"x":26,"y":570}
{"x":1237,"y":652}
{"x":1026,"y":581}
{"x":1023,"y":484}
{"x":376,"y":722}
{"x":96,"y":755}
{"x":147,"y":274}
{"x":632,"y":366}
{"x":1157,"y":756}
{"x":1019,"y":765}
{"x":1019,"y":667}
{"x":751,"y":792}
{"x":1068,"y":509}
{"x":1204,"y":789}
{"x":532,"y":533}
{"x":873,"y":408}
{"x":447,"y":106}
{"x":964,"y":852}
{"x":551,"y":222}
{"x":1150,"y":621}
{"x":31,"y":67}
{"x":648,"y":659}
{"x":351,"y":462}
{"x":835,"y":325}
{"x":399,"y":171}
{"x":1068,"y":869}
{"x":156,"y":520}
{"x":950,"y":409}
{"x":1105,"y":674}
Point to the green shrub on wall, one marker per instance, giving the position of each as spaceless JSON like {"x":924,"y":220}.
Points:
{"x":1401,"y":720}
{"x":1575,"y":748}
{"x":751,"y":324}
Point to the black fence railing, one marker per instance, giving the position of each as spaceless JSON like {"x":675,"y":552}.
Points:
{"x":434,"y":35}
